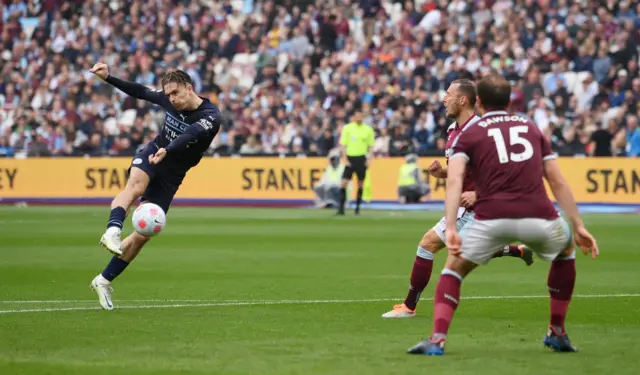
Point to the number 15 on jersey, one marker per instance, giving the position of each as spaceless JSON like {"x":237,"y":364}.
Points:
{"x":514,"y":139}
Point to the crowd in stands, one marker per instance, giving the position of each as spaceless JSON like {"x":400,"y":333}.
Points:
{"x":288,"y":74}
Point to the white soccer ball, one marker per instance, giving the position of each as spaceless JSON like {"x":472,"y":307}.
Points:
{"x":149,"y":219}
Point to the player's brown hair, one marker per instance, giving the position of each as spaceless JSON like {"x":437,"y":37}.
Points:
{"x":467,"y":88}
{"x":494,"y":92}
{"x":176,"y":76}
{"x":465,"y":74}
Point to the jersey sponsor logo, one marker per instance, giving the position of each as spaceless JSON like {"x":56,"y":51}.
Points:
{"x":136,"y":161}
{"x":170,"y":134}
{"x":175,"y":124}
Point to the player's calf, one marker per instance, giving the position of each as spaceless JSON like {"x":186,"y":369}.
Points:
{"x":561,"y":281}
{"x":446,"y":300}
{"x":101,"y":284}
{"x":343,"y":197}
{"x":420,"y":276}
{"x":445,"y":303}
{"x":429,"y":245}
{"x":359,"y":196}
{"x":136,"y":185}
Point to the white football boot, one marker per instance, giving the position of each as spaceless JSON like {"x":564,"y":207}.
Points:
{"x":103,"y":287}
{"x":111,"y":240}
{"x":400,"y":311}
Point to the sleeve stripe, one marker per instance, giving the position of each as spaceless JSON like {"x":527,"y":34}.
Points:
{"x":550,"y":157}
{"x":459,"y":154}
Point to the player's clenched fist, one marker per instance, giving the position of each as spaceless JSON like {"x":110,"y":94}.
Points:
{"x":158,"y":156}
{"x":435,"y":167}
{"x":101,"y":70}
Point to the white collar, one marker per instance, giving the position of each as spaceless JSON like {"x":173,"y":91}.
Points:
{"x":492,"y":113}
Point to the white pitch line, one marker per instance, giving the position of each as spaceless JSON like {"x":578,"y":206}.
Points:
{"x":289,"y":302}
{"x":122,"y":300}
{"x":284,"y":301}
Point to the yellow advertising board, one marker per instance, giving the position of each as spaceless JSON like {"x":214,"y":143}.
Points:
{"x":606,"y":180}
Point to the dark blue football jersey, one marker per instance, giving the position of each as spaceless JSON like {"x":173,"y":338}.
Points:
{"x":185,"y":134}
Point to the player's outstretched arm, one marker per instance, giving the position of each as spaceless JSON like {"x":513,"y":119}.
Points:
{"x":201,"y":129}
{"x":562,"y":192}
{"x":133,"y":89}
{"x":205,"y":128}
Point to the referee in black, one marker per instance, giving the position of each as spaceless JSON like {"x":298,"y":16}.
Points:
{"x":356,"y":141}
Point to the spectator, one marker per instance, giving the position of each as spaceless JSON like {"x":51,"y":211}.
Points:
{"x":602,"y":140}
{"x":287,"y":77}
{"x":252,"y":146}
{"x":633,"y":136}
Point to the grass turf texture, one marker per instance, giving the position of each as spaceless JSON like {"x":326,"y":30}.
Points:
{"x":209,"y":256}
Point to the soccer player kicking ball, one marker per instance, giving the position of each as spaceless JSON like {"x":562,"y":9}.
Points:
{"x":460,"y":103}
{"x":509,"y":157}
{"x":156,"y":172}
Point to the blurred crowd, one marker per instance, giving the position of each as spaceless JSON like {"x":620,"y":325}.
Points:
{"x":289,"y":74}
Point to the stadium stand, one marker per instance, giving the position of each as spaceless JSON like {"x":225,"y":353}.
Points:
{"x":287,"y":74}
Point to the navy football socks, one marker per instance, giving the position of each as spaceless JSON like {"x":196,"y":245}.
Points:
{"x":343,"y":199}
{"x":116,"y":218}
{"x":115,"y":267}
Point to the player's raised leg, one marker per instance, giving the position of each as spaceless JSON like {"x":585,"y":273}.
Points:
{"x":101,"y":284}
{"x":136,"y":185}
{"x":160,"y":191}
{"x":420,"y":275}
{"x":516,"y":251}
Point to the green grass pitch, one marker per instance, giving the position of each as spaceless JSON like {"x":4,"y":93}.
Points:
{"x":270,"y":291}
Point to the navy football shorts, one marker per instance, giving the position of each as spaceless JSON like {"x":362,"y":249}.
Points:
{"x":164,"y":178}
{"x":357,"y":165}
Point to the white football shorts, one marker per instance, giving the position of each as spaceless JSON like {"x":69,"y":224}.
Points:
{"x":482,"y":238}
{"x":462,"y":218}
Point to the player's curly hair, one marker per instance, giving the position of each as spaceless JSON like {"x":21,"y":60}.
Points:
{"x":176,"y":76}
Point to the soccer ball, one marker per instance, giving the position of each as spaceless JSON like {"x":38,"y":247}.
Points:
{"x":149,"y":219}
